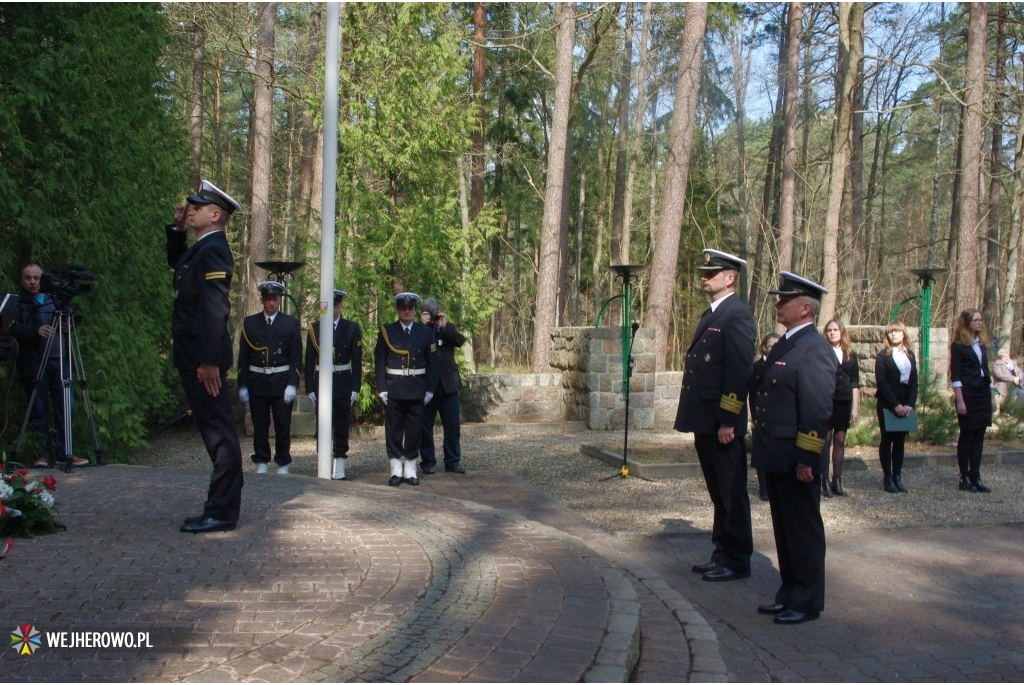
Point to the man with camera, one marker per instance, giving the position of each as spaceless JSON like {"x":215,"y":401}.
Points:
{"x":34,"y":328}
{"x":269,"y":359}
{"x":446,"y":393}
{"x":202,"y":345}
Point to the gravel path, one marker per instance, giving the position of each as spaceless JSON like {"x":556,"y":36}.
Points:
{"x":630,"y":507}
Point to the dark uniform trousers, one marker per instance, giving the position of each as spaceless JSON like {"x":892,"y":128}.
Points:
{"x":348,"y":349}
{"x":792,"y":407}
{"x":403,"y":414}
{"x":202,"y":279}
{"x":716,"y":381}
{"x":274,"y":347}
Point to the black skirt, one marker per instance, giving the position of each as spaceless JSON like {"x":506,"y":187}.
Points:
{"x":842,"y":410}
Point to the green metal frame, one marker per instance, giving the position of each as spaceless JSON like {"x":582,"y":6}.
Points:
{"x":926,"y":277}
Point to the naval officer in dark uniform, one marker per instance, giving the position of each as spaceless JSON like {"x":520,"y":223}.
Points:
{"x":792,"y":406}
{"x":269,"y":359}
{"x":346,"y":377}
{"x":713,"y":406}
{"x":202,"y":345}
{"x":405,"y":366}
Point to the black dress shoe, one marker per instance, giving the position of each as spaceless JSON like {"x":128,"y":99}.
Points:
{"x":395,"y":481}
{"x":771,"y":609}
{"x":791,"y":618}
{"x":897,"y":482}
{"x":704,"y":568}
{"x":411,"y":481}
{"x":454,"y":469}
{"x":427,"y":470}
{"x":195,"y":519}
{"x":207,"y":525}
{"x":888,"y":485}
{"x":837,"y":487}
{"x":967,"y":485}
{"x":724,"y":573}
{"x":980,"y":486}
{"x":826,"y":490}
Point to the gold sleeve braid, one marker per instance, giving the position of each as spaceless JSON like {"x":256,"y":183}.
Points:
{"x":731,"y":403}
{"x":810,"y":441}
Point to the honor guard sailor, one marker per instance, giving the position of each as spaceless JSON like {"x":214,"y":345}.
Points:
{"x":405,"y":368}
{"x":269,"y":359}
{"x":346,"y":377}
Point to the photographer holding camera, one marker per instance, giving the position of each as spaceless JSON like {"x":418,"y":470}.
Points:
{"x":446,"y":392}
{"x":34,"y":327}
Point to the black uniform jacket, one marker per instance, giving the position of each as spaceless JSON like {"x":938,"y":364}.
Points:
{"x":847,"y":377}
{"x":718,"y":372}
{"x":268,"y":347}
{"x":964,"y":366}
{"x":400,"y":352}
{"x":347,"y":349}
{"x":887,"y":380}
{"x":793,"y":403}
{"x":202,"y":278}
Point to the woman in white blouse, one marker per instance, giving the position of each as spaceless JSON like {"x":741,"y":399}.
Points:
{"x":896,"y":379}
{"x":972,"y":388}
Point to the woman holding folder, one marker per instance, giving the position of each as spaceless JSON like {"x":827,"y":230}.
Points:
{"x":972,"y":387}
{"x":895,"y":397}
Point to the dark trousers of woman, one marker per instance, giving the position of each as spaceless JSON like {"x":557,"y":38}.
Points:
{"x":968,"y":451}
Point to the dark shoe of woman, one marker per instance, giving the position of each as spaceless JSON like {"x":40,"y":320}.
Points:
{"x":826,"y":491}
{"x":887,"y":485}
{"x":967,"y":485}
{"x":837,"y":486}
{"x":897,"y":481}
{"x":979,"y":486}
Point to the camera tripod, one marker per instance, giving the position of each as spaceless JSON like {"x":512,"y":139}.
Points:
{"x":69,"y":356}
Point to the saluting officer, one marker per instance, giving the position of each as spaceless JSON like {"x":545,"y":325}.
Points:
{"x":346,"y":377}
{"x":202,"y":344}
{"x":405,"y":368}
{"x":269,"y":359}
{"x":792,"y":405}
{"x":713,"y":406}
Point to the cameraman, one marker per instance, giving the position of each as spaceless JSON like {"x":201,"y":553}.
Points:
{"x":36,"y":312}
{"x":446,"y":392}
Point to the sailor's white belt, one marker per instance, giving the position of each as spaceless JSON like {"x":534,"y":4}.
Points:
{"x":269,"y":369}
{"x":406,"y":372}
{"x":338,"y":367}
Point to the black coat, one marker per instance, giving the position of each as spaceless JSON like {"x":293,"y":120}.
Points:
{"x":31,"y":316}
{"x":847,"y":377}
{"x":718,"y":371}
{"x":202,"y":279}
{"x":887,"y":380}
{"x":447,"y":340}
{"x":394,"y":350}
{"x":266,"y":346}
{"x":347,"y":349}
{"x":975,"y":378}
{"x":793,"y":403}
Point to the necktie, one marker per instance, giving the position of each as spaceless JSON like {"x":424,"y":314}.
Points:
{"x":269,"y":321}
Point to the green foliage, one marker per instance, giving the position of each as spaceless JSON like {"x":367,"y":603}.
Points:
{"x":936,"y":414}
{"x":864,"y":431}
{"x":1010,"y":421}
{"x":89,"y":170}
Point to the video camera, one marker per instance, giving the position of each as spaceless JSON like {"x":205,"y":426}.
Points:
{"x":63,"y":285}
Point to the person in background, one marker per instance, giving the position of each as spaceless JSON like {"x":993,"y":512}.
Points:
{"x":972,"y":388}
{"x":767,"y":342}
{"x":202,"y":345}
{"x":845,"y":407}
{"x":346,"y":377}
{"x":792,"y":405}
{"x":712,"y":406}
{"x":269,"y":359}
{"x":1008,"y":376}
{"x":446,"y":393}
{"x":896,"y":381}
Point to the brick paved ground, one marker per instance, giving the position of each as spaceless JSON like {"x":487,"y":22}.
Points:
{"x":481,"y":578}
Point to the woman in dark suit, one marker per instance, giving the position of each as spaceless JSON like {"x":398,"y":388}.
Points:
{"x":972,"y":387}
{"x":845,"y":407}
{"x":896,"y":378}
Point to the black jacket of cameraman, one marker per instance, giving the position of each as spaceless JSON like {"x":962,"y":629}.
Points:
{"x":31,"y":315}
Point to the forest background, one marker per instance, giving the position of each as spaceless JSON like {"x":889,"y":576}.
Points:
{"x":500,"y":156}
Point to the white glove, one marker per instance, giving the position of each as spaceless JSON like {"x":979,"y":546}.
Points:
{"x":429,"y":396}
{"x":384,"y":398}
{"x":243,"y":394}
{"x":289,"y":394}
{"x":312,"y":398}
{"x":354,"y":396}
